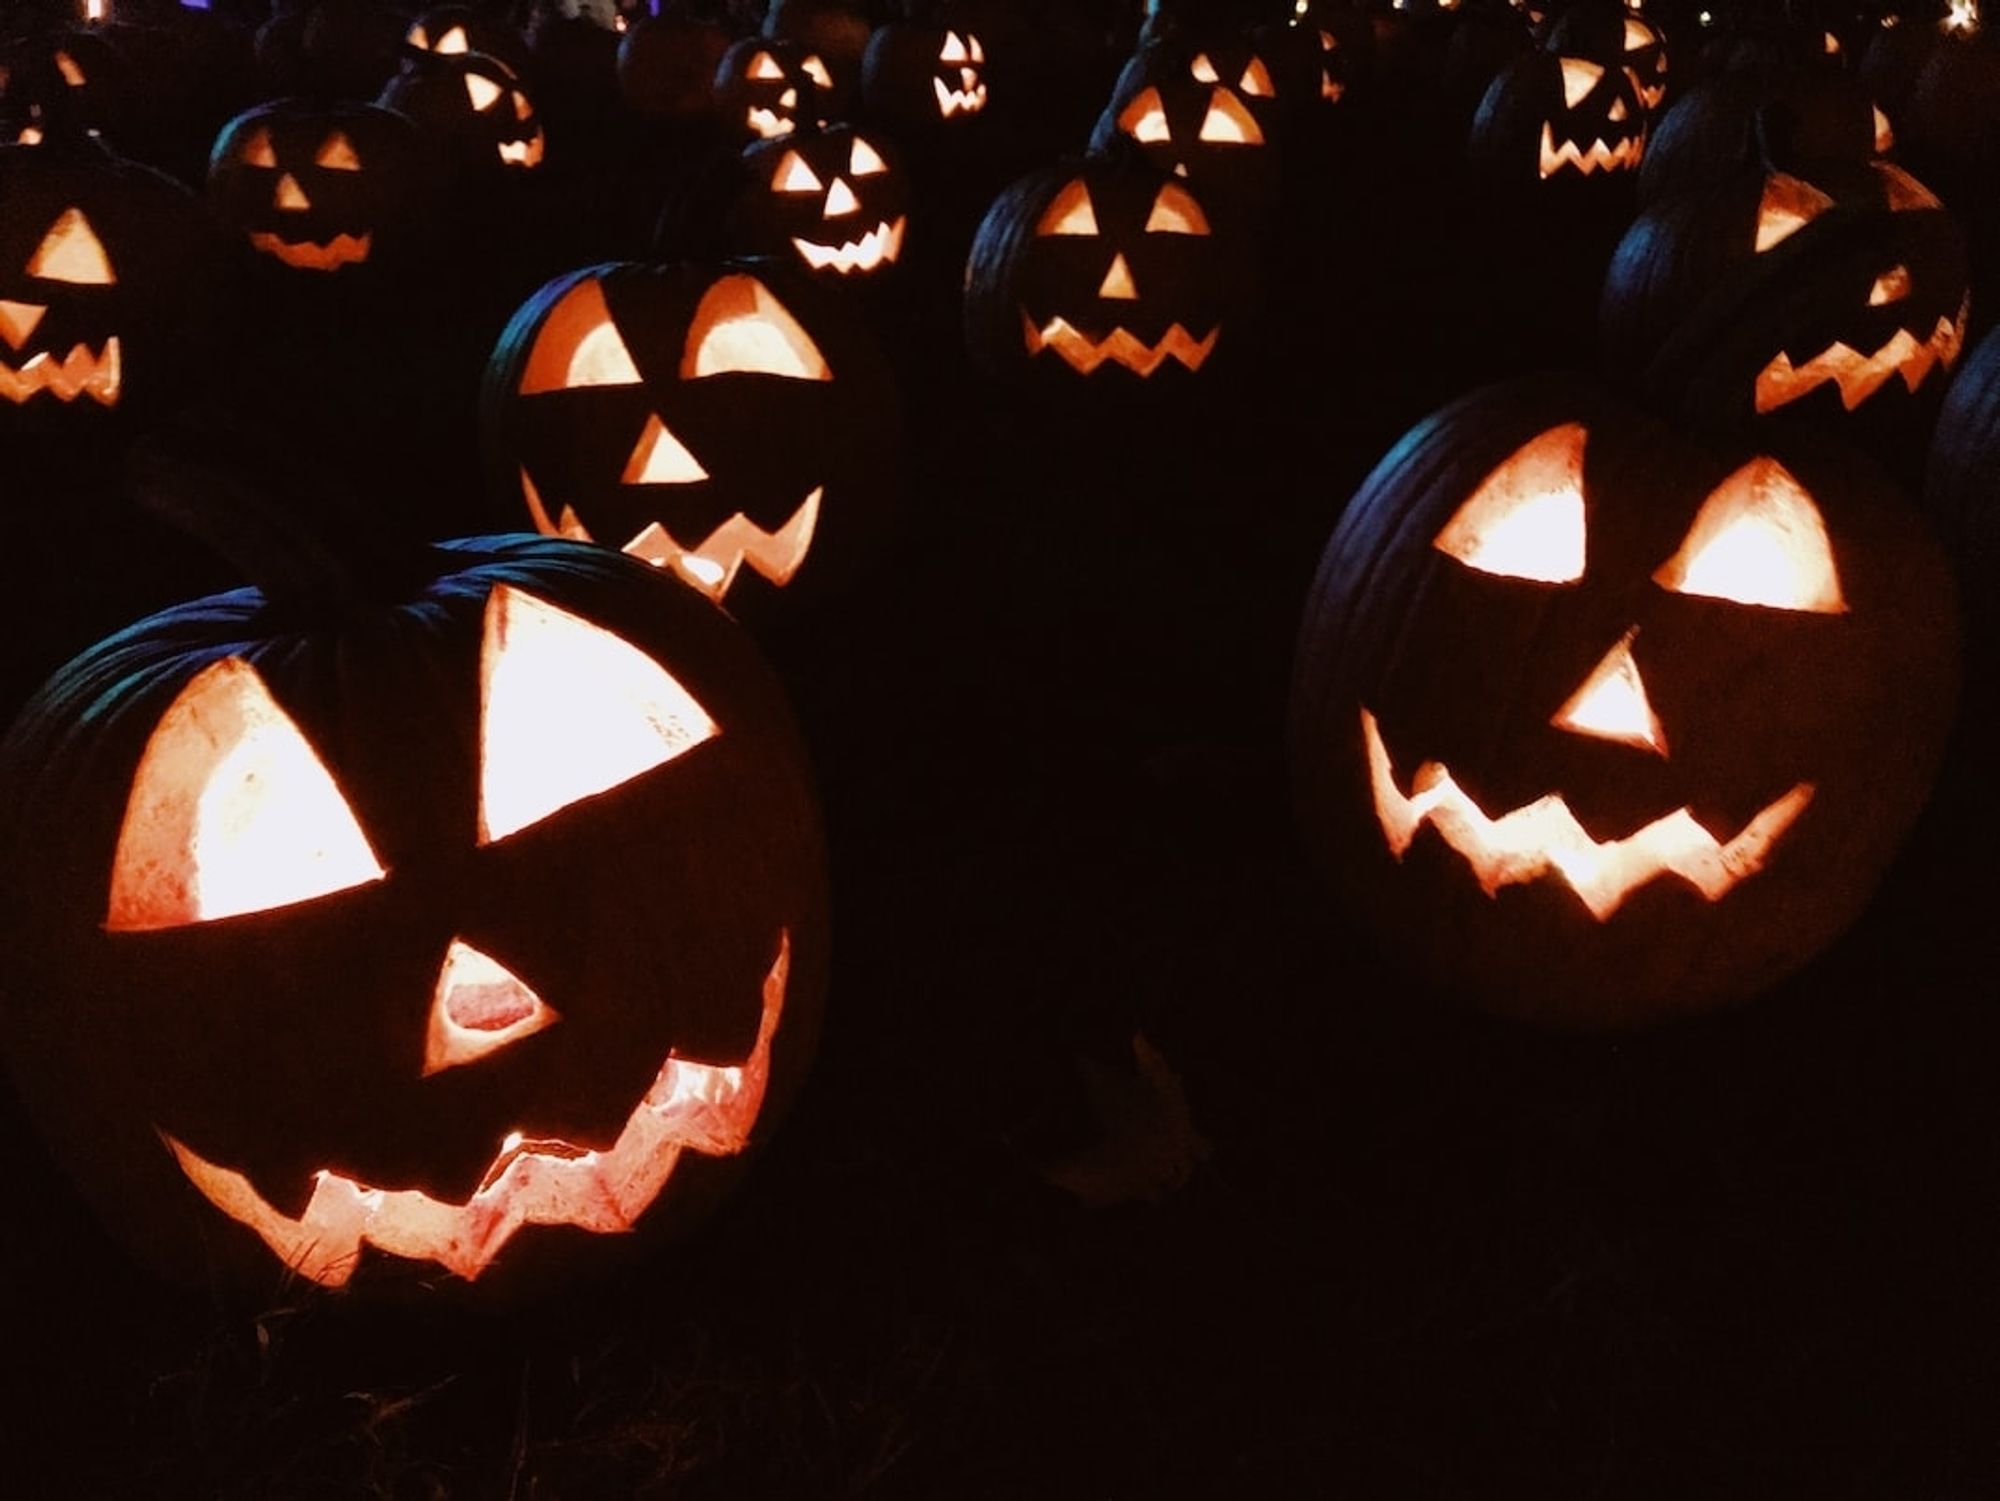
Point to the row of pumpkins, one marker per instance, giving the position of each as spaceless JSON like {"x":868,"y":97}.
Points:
{"x":420,"y":899}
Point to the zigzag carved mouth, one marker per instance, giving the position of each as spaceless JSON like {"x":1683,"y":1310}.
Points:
{"x":526,"y":153}
{"x":341,"y":250}
{"x":1543,"y":838}
{"x":880,"y":245}
{"x":969,"y":100}
{"x":1084,"y":354}
{"x":767,"y":123}
{"x":701,"y":1107}
{"x":81,"y":373}
{"x":1860,"y":376}
{"x":1597,"y":157}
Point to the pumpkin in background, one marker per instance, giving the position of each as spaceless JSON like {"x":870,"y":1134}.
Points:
{"x":1203,"y":115}
{"x":834,"y":198}
{"x":667,"y":63}
{"x":1567,"y":124}
{"x":474,"y":106}
{"x":64,"y":81}
{"x":1599,"y":724}
{"x":319,"y":187}
{"x":832,"y":31}
{"x":765,"y":89}
{"x":1721,"y":126}
{"x":717,"y":421}
{"x":375,"y":933}
{"x":454,"y":30}
{"x":1843,"y":298}
{"x":104,"y":282}
{"x":1105,"y":271}
{"x":1959,"y":489}
{"x":1618,"y":36}
{"x":924,"y":79}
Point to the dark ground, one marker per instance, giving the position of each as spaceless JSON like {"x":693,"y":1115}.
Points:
{"x":1429,"y":1256}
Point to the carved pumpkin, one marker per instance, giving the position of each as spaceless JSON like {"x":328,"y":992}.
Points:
{"x":454,"y":30}
{"x":373,"y":941}
{"x":1106,"y":272}
{"x":1599,"y":724}
{"x":830,"y":30}
{"x":702,"y":418}
{"x":1550,"y":122}
{"x":834,"y":198}
{"x":923,"y":80}
{"x":319,"y":188}
{"x":474,"y":106}
{"x":1617,"y":36}
{"x":1842,"y":297}
{"x":1205,"y":116}
{"x":765,"y":88}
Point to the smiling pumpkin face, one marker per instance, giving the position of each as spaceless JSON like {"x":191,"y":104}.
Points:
{"x":765,"y":88}
{"x":408,"y":1019}
{"x":835,"y":198}
{"x":1598,"y":725}
{"x":475,"y":106}
{"x":1204,"y":116}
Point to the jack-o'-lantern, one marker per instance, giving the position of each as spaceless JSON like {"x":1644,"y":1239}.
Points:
{"x":475,"y":106}
{"x":1559,"y":121}
{"x":317,"y":187}
{"x":1617,"y":36}
{"x":834,"y":198}
{"x":1843,"y":297}
{"x":1106,"y":272}
{"x":1201,"y":123}
{"x":715,"y":421}
{"x":454,"y":30}
{"x":831,"y":30}
{"x":103,"y":282}
{"x":765,"y":89}
{"x":66,"y":81}
{"x":413,"y":936}
{"x":917,"y":78}
{"x":1340,"y":39}
{"x":1600,"y":724}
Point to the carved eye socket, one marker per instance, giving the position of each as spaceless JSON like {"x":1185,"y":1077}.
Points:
{"x":953,"y":50}
{"x":1638,"y":35}
{"x":454,"y":42}
{"x":1617,"y":111}
{"x":231,"y":812}
{"x":337,"y":155}
{"x":1788,"y":205}
{"x":741,"y":329}
{"x":1069,"y":212}
{"x":257,"y":150}
{"x":1145,"y":119}
{"x":794,"y":176}
{"x":764,"y":66}
{"x":482,"y":91}
{"x":579,"y":345}
{"x":1202,"y":69}
{"x":72,"y":72}
{"x":71,"y":252}
{"x":972,"y":46}
{"x":1904,"y":192}
{"x":568,"y":710}
{"x":1580,"y":76}
{"x":417,"y":37}
{"x":1256,"y":80}
{"x":817,"y":72}
{"x":1228,"y":122}
{"x":1758,"y":540}
{"x":1176,"y":213}
{"x":1526,"y":519}
{"x":863,"y":160}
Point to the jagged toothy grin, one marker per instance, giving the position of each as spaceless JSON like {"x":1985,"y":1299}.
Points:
{"x":341,"y":250}
{"x":97,"y":375}
{"x":1596,"y":157}
{"x":1860,"y":376}
{"x":1084,"y":354}
{"x":880,"y":245}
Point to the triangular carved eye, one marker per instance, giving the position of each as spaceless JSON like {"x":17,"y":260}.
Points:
{"x":1638,"y":35}
{"x":1069,"y":212}
{"x":1202,"y":69}
{"x":71,"y":252}
{"x":454,"y":42}
{"x":480,"y":1006}
{"x":1256,"y":80}
{"x":794,"y":176}
{"x":863,"y":160}
{"x":482,"y":91}
{"x":1788,"y":205}
{"x":578,"y":345}
{"x":257,"y":150}
{"x":231,"y":811}
{"x":1758,"y":540}
{"x":818,"y":72}
{"x":568,"y":710}
{"x":953,"y":50}
{"x":1580,"y":76}
{"x":337,"y":154}
{"x":1176,"y":213}
{"x":764,"y":66}
{"x":740,"y":328}
{"x":1526,"y":519}
{"x":1145,"y":118}
{"x":1228,"y":122}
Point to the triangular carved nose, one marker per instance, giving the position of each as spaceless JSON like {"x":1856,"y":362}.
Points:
{"x":290,"y":195}
{"x":18,"y":320}
{"x":840,"y":200}
{"x":1612,"y":703}
{"x":659,"y":458}
{"x":480,"y":1007}
{"x":1117,"y":282}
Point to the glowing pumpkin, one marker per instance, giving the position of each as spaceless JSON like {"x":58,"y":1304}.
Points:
{"x":765,"y":89}
{"x":1558,"y":123}
{"x":1206,"y":115}
{"x":924,"y":80}
{"x":834,"y":198}
{"x":449,"y":934}
{"x":474,"y":106}
{"x":1598,"y":724}
{"x":1617,"y":36}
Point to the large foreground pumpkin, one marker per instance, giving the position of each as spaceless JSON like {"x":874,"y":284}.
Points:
{"x":446,"y":934}
{"x":1599,"y":724}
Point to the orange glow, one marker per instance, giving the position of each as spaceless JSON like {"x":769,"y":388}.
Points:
{"x":1144,"y":119}
{"x":712,"y":565}
{"x":454,"y":42}
{"x":817,"y":71}
{"x":1758,"y":540}
{"x":700,"y":1107}
{"x":569,"y":711}
{"x":1256,"y":80}
{"x":1202,"y":69}
{"x":1885,"y":135}
{"x":257,"y":150}
{"x":1612,"y":703}
{"x":659,"y":458}
{"x":863,"y":160}
{"x":878,"y":247}
{"x":82,"y":372}
{"x":524,"y":154}
{"x":1638,"y":35}
{"x":764,"y":66}
{"x":304,"y":255}
{"x":1175,"y":212}
{"x":1069,"y":212}
{"x":1119,"y":347}
{"x":337,"y":154}
{"x":741,"y":328}
{"x":71,"y":252}
{"x":1526,"y":519}
{"x":1859,"y":375}
{"x":1579,"y":78}
{"x":1903,"y":192}
{"x":231,"y":811}
{"x":289,"y":195}
{"x":1596,"y":157}
{"x":1787,"y":206}
{"x":18,"y":320}
{"x":769,"y":124}
{"x":969,"y":98}
{"x":1962,"y":15}
{"x":578,"y":345}
{"x":953,"y":50}
{"x":482,"y":91}
{"x":480,"y":1006}
{"x":1892,"y":285}
{"x":1543,"y":838}
{"x":840,"y":201}
{"x":66,"y":65}
{"x":1117,"y":284}
{"x":794,"y":176}
{"x":1228,"y":122}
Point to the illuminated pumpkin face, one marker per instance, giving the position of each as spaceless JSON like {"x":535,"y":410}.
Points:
{"x":1616,"y":36}
{"x":689,"y":417}
{"x":833,"y":198}
{"x":1549,"y":118}
{"x":411,"y":1020}
{"x":313,"y":187}
{"x":765,"y":89}
{"x":1107,"y":273}
{"x":475,"y":105}
{"x":917,"y":79}
{"x":1205,"y":117}
{"x":454,"y":30}
{"x":1618,"y":726}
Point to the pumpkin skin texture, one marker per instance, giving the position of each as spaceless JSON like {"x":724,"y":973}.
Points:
{"x":1760,"y":760}
{"x":320,"y":189}
{"x":294,"y":1037}
{"x":718,"y":420}
{"x":835,"y":199}
{"x":1958,"y":482}
{"x":1070,"y":292}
